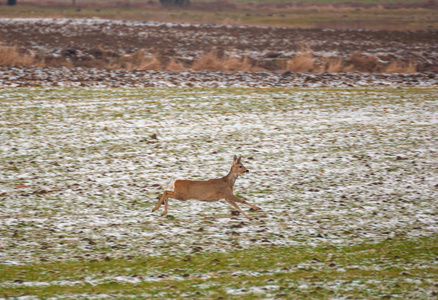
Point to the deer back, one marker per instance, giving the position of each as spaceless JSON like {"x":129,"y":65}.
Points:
{"x":210,"y":190}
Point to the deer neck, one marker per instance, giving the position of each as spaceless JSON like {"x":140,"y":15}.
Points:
{"x":231,"y":177}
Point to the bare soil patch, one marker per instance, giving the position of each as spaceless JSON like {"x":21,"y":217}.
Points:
{"x":92,"y":77}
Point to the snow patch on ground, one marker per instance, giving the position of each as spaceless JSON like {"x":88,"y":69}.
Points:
{"x":81,"y":171}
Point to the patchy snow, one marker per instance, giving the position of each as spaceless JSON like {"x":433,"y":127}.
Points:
{"x":74,"y":77}
{"x":80,"y":171}
{"x":254,"y":290}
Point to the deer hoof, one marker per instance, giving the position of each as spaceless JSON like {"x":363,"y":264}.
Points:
{"x":255,"y":209}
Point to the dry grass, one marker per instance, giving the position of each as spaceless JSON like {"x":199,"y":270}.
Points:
{"x":363,"y":63}
{"x":175,"y":66}
{"x":401,"y":67}
{"x":212,"y":61}
{"x":332,"y":65}
{"x":303,"y":62}
{"x":208,"y":62}
{"x":138,"y":60}
{"x":12,"y":56}
{"x":403,"y":15}
{"x":233,"y":63}
{"x":148,"y":64}
{"x":250,"y":4}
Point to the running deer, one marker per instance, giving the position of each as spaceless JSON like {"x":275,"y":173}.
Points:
{"x":209,"y":191}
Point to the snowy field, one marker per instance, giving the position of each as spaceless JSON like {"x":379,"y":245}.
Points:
{"x":81,"y":173}
{"x":82,"y":168}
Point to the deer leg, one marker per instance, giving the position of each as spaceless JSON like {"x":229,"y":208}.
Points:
{"x":237,"y":199}
{"x":169,"y":194}
{"x":164,"y":199}
{"x":234,"y":204}
{"x":166,"y":206}
{"x":159,"y":202}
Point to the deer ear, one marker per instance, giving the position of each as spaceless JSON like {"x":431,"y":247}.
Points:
{"x":238,"y":160}
{"x":235,"y":158}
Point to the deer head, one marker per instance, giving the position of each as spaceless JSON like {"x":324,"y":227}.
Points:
{"x":238,"y":167}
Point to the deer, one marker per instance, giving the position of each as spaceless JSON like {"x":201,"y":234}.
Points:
{"x":209,"y":191}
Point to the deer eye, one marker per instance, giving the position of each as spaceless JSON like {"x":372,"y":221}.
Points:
{"x":240,"y":166}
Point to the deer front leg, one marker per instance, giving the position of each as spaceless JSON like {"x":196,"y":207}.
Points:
{"x":234,"y":204}
{"x":165,"y":199}
{"x":237,"y":199}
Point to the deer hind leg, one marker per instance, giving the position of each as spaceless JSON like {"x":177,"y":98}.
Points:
{"x":159,"y":202}
{"x":164,"y":199}
{"x":234,"y":204}
{"x":237,"y":199}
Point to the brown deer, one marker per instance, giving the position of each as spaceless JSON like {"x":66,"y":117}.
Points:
{"x":209,"y":191}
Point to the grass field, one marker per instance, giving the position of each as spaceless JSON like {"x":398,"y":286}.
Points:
{"x":346,"y":178}
{"x":325,"y":16}
{"x":394,"y":268}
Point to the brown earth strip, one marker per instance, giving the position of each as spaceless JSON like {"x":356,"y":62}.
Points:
{"x":161,"y":46}
{"x":52,"y":77}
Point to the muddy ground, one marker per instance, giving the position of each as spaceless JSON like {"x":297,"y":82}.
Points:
{"x":86,"y":42}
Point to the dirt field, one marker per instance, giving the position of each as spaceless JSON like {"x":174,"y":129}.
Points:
{"x":148,"y":45}
{"x":87,"y":77}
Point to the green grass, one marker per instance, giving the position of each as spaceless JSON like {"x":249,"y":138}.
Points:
{"x":394,"y":267}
